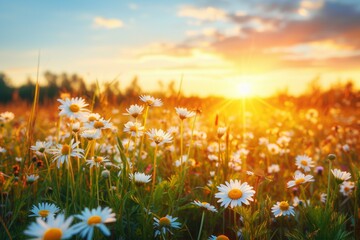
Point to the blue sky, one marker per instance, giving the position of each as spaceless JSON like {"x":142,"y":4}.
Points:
{"x":218,"y":43}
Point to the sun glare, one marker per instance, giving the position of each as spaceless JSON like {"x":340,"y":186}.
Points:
{"x":244,"y":89}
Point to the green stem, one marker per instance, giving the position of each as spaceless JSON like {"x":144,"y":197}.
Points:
{"x":328,"y":188}
{"x":201,"y":224}
{"x":154,"y":172}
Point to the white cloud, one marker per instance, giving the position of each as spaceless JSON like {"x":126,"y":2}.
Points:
{"x":133,"y":6}
{"x":109,"y":23}
{"x":205,"y":14}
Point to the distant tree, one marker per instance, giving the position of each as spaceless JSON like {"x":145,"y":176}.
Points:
{"x":6,"y":91}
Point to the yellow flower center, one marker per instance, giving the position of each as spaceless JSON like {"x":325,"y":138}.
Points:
{"x":284,"y":206}
{"x":98,"y":124}
{"x":42,"y":149}
{"x":52,"y":234}
{"x":299,"y":181}
{"x":43,"y":213}
{"x":204,"y":203}
{"x":164,"y":221}
{"x":98,"y":159}
{"x":346,"y":189}
{"x":304,"y":163}
{"x":65,"y":150}
{"x":92,"y":118}
{"x":94,"y":220}
{"x":149,"y":102}
{"x":158,"y":139}
{"x":222,"y":237}
{"x":235,"y":194}
{"x":133,"y":129}
{"x":74,"y":108}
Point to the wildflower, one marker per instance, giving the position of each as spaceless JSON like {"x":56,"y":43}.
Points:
{"x":2,"y":150}
{"x":134,"y":128}
{"x":94,"y":218}
{"x":97,"y":161}
{"x":63,"y":152}
{"x":44,"y":210}
{"x":274,"y":168}
{"x":91,"y":117}
{"x":205,"y":205}
{"x":221,"y":131}
{"x":346,"y":188}
{"x":220,"y":237}
{"x":90,"y":134}
{"x":159,"y":136}
{"x":323,"y":197}
{"x":341,"y":176}
{"x":41,"y":147}
{"x":319,"y":170}
{"x":140,"y":177}
{"x":105,"y":174}
{"x":235,"y":193}
{"x":31,"y":178}
{"x":6,"y":117}
{"x":331,"y":157}
{"x":300,"y":178}
{"x":282,"y":209}
{"x":273,"y":148}
{"x":164,"y":224}
{"x":134,"y":110}
{"x":73,"y":108}
{"x":263,"y":141}
{"x":184,"y":113}
{"x":213,"y":157}
{"x":51,"y":229}
{"x":99,"y":124}
{"x":151,"y":101}
{"x":304,"y":162}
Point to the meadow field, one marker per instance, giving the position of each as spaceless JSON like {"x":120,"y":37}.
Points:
{"x":154,"y":166}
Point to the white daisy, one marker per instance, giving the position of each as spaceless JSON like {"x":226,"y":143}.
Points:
{"x":221,"y":131}
{"x":41,"y":147}
{"x":164,"y":224}
{"x":44,"y":210}
{"x":97,"y":161}
{"x":304,"y":162}
{"x":51,"y":229}
{"x":140,"y":177}
{"x":323,"y":197}
{"x":235,"y":193}
{"x":134,"y":110}
{"x":341,"y":176}
{"x":63,"y":152}
{"x":94,"y":218}
{"x":205,"y":205}
{"x":346,"y":188}
{"x":282,"y":209}
{"x":90,"y":117}
{"x":151,"y":101}
{"x":90,"y":134}
{"x":135,"y":129}
{"x":159,"y":136}
{"x":2,"y":150}
{"x":273,"y":168}
{"x":184,"y":113}
{"x":73,"y":108}
{"x":99,"y":124}
{"x":273,"y":148}
{"x":32,"y":178}
{"x":300,"y":178}
{"x":6,"y":117}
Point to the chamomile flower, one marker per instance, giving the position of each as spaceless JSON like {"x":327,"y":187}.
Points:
{"x":273,"y":148}
{"x":235,"y":193}
{"x":97,"y":161}
{"x":44,"y":210}
{"x":159,"y":136}
{"x":300,"y":178}
{"x":93,"y":218}
{"x":73,"y":108}
{"x":282,"y":209}
{"x":51,"y":229}
{"x":304,"y":162}
{"x":273,"y":168}
{"x":183,"y":113}
{"x":346,"y":188}
{"x":32,"y":178}
{"x":151,"y":101}
{"x":63,"y":152}
{"x":6,"y":117}
{"x":135,"y":129}
{"x":2,"y":150}
{"x":90,"y":117}
{"x":205,"y":205}
{"x":90,"y":134}
{"x":99,"y":124}
{"x":165,"y":224}
{"x":341,"y":176}
{"x":41,"y":147}
{"x":134,"y":110}
{"x":140,"y":178}
{"x":221,"y":131}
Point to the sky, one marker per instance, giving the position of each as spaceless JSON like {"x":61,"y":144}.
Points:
{"x":215,"y":46}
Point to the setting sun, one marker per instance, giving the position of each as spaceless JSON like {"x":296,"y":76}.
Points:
{"x":244,"y":89}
